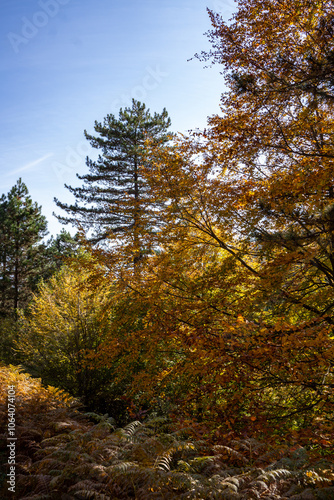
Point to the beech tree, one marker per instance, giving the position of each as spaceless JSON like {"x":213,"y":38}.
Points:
{"x":275,"y":140}
{"x":114,"y":199}
{"x":66,"y":319}
{"x":251,"y":322}
{"x":22,"y":227}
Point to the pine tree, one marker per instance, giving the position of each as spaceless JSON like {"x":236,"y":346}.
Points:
{"x":22,"y":226}
{"x":114,"y":197}
{"x":57,"y":251}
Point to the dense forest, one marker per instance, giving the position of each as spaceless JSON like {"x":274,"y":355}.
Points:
{"x":181,"y":345}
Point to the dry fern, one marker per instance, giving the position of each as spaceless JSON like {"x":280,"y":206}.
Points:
{"x":63,"y":455}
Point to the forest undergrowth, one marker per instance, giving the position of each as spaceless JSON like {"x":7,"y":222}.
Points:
{"x":64,"y":453}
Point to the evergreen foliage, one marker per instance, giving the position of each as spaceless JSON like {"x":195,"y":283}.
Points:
{"x":59,"y":250}
{"x":22,"y":227}
{"x":114,"y":196}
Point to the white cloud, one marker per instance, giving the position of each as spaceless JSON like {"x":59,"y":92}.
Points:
{"x":30,"y":165}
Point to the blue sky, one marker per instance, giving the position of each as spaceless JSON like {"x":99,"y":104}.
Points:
{"x":67,"y":63}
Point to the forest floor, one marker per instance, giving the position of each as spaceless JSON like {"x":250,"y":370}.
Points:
{"x":62,"y":453}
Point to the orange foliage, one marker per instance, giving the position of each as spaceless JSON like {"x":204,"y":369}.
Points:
{"x":236,"y":297}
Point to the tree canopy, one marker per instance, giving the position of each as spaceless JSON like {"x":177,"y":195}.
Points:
{"x":240,"y":295}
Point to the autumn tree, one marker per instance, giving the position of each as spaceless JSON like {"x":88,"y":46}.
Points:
{"x":65,"y":321}
{"x":22,"y":227}
{"x":114,"y":199}
{"x":252,"y":326}
{"x":276,"y":135}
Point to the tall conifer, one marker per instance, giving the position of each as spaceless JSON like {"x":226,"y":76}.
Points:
{"x":22,"y":226}
{"x":114,"y":196}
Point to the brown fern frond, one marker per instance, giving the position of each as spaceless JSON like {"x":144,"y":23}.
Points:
{"x":47,"y":464}
{"x":130,"y":429}
{"x":163,"y":462}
